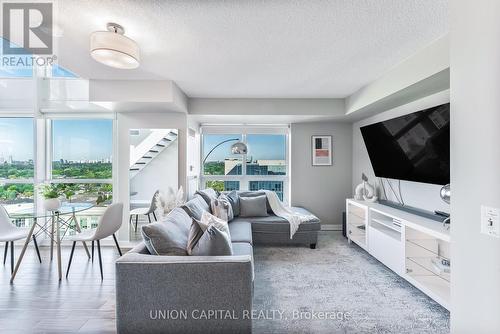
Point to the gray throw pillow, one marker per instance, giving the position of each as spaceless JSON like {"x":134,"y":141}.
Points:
{"x":161,"y":239}
{"x":214,"y":242}
{"x":234,"y":199}
{"x":255,"y":194}
{"x":195,"y":233}
{"x":170,"y":236}
{"x":196,"y":207}
{"x":253,"y":206}
{"x":208,"y":195}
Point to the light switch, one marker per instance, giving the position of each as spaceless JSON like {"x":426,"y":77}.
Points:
{"x":490,"y":221}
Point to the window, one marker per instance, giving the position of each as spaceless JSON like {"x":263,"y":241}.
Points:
{"x":217,"y":157}
{"x":16,"y":148}
{"x":223,"y":185}
{"x":16,"y":165}
{"x":82,"y":164}
{"x":82,"y":149}
{"x":264,"y":167}
{"x":276,"y":186}
{"x":266,"y":155}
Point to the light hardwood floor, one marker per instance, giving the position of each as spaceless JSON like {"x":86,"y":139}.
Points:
{"x":38,"y":303}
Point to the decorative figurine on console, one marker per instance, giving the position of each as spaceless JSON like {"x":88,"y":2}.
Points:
{"x":365,"y":191}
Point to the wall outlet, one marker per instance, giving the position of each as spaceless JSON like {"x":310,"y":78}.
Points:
{"x":490,"y":221}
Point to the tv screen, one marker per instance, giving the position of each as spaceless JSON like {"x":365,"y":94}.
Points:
{"x":413,"y":147}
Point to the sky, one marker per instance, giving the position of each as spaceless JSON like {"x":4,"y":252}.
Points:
{"x":266,"y":147}
{"x":73,"y":139}
{"x":16,"y":138}
{"x":82,"y":139}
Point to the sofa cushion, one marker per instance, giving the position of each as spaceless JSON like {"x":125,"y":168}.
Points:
{"x":275,"y":224}
{"x":241,"y":231}
{"x":207,"y":194}
{"x":253,"y":206}
{"x":195,"y":207}
{"x":213,"y":242}
{"x":234,"y":199}
{"x":168,"y":237}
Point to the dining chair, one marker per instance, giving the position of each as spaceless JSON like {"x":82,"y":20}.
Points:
{"x":109,"y":223}
{"x":10,"y":233}
{"x":144,"y":211}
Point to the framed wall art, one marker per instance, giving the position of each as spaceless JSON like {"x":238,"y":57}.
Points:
{"x":322,"y":153}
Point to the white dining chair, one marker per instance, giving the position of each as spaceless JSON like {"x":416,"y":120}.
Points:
{"x":109,"y":224}
{"x":10,"y":233}
{"x":148,"y":211}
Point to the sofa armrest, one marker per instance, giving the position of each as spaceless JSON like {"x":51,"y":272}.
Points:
{"x":183,"y":294}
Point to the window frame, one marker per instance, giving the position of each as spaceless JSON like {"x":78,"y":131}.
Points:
{"x":31,"y":180}
{"x":245,"y":179}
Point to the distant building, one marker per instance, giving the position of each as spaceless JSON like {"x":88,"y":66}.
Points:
{"x":259,"y":167}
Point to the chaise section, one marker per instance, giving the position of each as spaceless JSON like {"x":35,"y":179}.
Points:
{"x":276,"y":230}
{"x":240,"y":230}
{"x":152,"y":285}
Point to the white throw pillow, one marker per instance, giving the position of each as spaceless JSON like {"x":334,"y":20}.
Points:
{"x":219,"y":210}
{"x":209,"y":237}
{"x":227,"y":205}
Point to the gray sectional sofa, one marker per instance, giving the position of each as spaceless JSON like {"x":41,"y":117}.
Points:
{"x":199,"y":294}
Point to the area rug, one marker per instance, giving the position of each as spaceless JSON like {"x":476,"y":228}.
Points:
{"x":336,"y":288}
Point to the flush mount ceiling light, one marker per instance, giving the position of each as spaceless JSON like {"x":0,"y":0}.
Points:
{"x":114,"y":49}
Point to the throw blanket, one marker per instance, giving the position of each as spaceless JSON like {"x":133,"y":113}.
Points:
{"x":280,"y":210}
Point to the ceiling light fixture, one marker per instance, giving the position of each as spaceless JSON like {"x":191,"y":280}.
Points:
{"x":114,"y":49}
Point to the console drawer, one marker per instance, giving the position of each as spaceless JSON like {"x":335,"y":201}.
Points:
{"x":385,"y":246}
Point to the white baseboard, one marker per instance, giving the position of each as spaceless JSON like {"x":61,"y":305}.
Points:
{"x":331,"y":227}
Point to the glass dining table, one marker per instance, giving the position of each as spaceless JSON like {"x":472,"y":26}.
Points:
{"x":51,"y":224}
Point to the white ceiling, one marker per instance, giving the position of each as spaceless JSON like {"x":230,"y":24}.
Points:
{"x":255,"y":48}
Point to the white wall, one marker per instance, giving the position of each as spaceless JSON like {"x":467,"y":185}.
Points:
{"x":420,"y":195}
{"x":321,"y":189}
{"x":426,"y":63}
{"x":266,"y":107}
{"x":145,"y":119}
{"x":160,"y":174}
{"x":475,"y":164}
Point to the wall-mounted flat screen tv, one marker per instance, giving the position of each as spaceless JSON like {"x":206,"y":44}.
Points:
{"x":413,"y":147}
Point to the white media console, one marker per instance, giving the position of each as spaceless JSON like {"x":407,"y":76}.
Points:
{"x":416,"y":248}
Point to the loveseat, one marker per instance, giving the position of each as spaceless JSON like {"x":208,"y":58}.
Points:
{"x":199,"y":294}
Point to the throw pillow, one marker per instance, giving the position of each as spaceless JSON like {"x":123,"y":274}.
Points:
{"x":227,"y":205}
{"x":208,"y":195}
{"x":196,"y":207}
{"x":214,"y":242}
{"x":253,"y":206}
{"x":168,"y":237}
{"x":219,"y":210}
{"x":234,"y":199}
{"x":195,"y":233}
{"x":209,"y":237}
{"x":255,"y":194}
{"x":208,"y":219}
